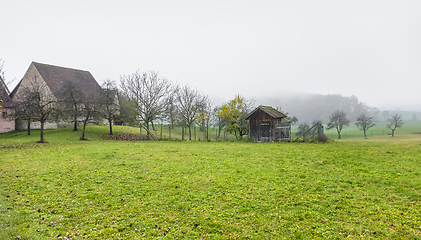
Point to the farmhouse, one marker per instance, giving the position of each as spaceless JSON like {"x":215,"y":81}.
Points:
{"x":268,"y":125}
{"x":53,"y":80}
{"x":7,"y":122}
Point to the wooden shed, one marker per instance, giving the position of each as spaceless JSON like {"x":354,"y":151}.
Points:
{"x":268,"y":125}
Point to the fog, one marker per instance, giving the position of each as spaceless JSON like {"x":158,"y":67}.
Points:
{"x":265,"y":49}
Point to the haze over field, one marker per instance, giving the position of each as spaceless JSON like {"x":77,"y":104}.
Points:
{"x":263,"y":49}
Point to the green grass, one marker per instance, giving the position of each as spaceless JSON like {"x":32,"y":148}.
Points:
{"x":219,"y":190}
{"x":380,"y":129}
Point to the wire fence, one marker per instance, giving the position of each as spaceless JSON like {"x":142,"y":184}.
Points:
{"x":195,"y":133}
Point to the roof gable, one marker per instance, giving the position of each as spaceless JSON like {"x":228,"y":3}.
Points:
{"x":268,"y":110}
{"x":56,"y":78}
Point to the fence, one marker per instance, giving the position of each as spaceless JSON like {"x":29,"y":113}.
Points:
{"x":315,"y":132}
{"x":181,"y":133}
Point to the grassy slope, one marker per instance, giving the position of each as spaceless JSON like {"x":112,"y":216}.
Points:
{"x":104,"y":189}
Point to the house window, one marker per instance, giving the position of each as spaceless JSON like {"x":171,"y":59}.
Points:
{"x":264,"y":123}
{"x":4,"y":114}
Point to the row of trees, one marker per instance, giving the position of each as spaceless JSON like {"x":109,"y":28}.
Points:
{"x":36,"y":104}
{"x":147,"y":98}
{"x":338,"y":120}
{"x":142,"y":98}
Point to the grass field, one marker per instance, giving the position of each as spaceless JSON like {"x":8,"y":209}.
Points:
{"x":380,"y":129}
{"x":101,"y":189}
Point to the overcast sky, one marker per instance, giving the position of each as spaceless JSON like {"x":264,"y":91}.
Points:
{"x":371,"y":49}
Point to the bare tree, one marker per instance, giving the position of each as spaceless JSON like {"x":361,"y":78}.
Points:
{"x":189,"y":104}
{"x":24,"y":111}
{"x":149,"y":93}
{"x":2,"y":74}
{"x":171,"y":113}
{"x":394,"y":122}
{"x":338,"y":120}
{"x":72,"y":102}
{"x":35,"y":104}
{"x":2,"y":70}
{"x":364,"y":123}
{"x":127,"y":108}
{"x":91,"y":110}
{"x":205,"y":116}
{"x":110,"y":103}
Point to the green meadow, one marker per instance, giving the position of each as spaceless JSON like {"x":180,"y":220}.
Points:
{"x":380,"y":129}
{"x":104,"y":189}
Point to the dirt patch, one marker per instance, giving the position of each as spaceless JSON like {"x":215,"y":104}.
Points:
{"x":125,"y":137}
{"x":416,"y":133}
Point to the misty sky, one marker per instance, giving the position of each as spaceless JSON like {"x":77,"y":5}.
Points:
{"x":371,"y":49}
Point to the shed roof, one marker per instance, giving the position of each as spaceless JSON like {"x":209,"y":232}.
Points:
{"x":269,"y":110}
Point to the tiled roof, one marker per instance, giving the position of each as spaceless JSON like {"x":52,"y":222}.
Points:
{"x":56,"y":78}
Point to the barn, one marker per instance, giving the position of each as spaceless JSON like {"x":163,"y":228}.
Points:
{"x":267,"y":124}
{"x":54,"y":78}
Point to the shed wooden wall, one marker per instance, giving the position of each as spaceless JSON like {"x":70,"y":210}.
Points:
{"x":259,"y":132}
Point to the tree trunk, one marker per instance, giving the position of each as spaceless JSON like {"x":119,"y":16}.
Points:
{"x":75,"y":123}
{"x":28,"y":128}
{"x":111,"y":126}
{"x":147,"y":132}
{"x":339,"y":135}
{"x":207,"y":132}
{"x":365,"y":134}
{"x":189,"y":133}
{"x":83,"y":131}
{"x":393,"y":132}
{"x":41,"y":139}
{"x":75,"y":118}
{"x":182,"y":133}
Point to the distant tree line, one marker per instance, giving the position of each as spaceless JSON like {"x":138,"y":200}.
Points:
{"x":317,"y":107}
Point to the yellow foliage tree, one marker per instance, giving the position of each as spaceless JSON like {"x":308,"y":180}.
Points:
{"x":234,"y":112}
